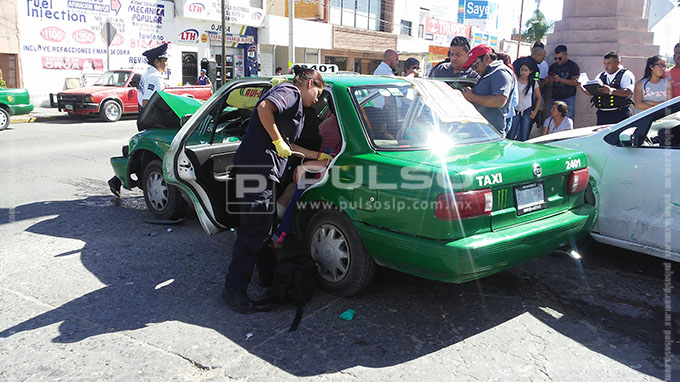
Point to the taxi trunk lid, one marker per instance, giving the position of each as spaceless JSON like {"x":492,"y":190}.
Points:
{"x":528,"y":182}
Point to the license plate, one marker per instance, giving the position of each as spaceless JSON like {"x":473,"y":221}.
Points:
{"x":68,"y":107}
{"x":529,"y":198}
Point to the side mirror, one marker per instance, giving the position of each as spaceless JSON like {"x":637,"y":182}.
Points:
{"x":627,"y":136}
{"x":184,"y":119}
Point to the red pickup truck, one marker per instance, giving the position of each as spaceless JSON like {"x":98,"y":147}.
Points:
{"x":114,"y":94}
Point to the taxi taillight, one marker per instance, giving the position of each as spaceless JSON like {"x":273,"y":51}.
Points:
{"x":578,"y":181}
{"x":464,"y":205}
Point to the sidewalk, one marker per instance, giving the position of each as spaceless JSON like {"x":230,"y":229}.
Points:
{"x":39,"y":114}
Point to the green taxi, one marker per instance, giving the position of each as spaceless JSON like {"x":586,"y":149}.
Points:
{"x":422,"y":184}
{"x":13,"y":102}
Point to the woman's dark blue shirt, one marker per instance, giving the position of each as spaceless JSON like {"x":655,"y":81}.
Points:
{"x":257,"y":154}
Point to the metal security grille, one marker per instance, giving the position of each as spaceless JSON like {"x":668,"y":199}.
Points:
{"x":189,"y":68}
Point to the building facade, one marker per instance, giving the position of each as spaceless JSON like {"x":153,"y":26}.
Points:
{"x":69,"y":42}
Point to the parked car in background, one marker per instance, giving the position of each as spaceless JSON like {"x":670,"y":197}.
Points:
{"x":115,"y":94}
{"x":636,"y":166}
{"x":13,"y":102}
{"x":471,"y":203}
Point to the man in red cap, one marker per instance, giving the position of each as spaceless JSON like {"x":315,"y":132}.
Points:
{"x":494,"y":88}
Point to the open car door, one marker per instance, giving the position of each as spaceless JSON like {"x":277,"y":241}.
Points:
{"x":202,"y":152}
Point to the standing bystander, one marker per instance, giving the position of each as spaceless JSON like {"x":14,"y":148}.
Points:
{"x":564,"y":75}
{"x":453,"y":66}
{"x":389,"y":63}
{"x":492,"y":93}
{"x":674,"y":73}
{"x":537,"y":56}
{"x":412,"y":67}
{"x":613,"y":99}
{"x":653,"y":88}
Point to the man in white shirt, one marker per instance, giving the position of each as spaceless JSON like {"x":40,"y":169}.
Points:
{"x":614,"y":98}
{"x":389,"y":63}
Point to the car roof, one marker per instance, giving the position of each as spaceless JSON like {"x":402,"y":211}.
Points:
{"x":353,"y":79}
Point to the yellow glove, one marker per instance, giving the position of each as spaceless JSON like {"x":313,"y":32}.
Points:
{"x":282,"y":148}
{"x":324,"y":156}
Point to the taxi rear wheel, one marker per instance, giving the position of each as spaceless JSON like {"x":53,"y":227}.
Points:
{"x":110,"y":111}
{"x":4,"y":118}
{"x":345,"y":267}
{"x":165,"y":202}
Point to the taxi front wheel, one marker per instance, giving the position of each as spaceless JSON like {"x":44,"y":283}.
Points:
{"x":345,"y":267}
{"x":165,"y":202}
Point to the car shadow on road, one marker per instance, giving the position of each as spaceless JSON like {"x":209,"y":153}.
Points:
{"x":399,"y":317}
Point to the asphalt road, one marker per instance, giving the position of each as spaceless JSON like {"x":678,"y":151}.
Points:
{"x":89,"y":290}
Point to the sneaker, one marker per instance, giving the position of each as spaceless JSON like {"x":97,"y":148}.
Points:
{"x":237,"y":302}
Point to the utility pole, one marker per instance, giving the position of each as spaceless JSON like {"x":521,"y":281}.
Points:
{"x":224,"y":46}
{"x":291,"y":47}
{"x":519,"y":31}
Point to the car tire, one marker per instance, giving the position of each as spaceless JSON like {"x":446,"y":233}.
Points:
{"x":110,"y":111}
{"x":4,"y":118}
{"x":345,"y":267}
{"x":165,"y":202}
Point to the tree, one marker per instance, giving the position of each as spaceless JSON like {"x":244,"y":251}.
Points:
{"x":537,"y":27}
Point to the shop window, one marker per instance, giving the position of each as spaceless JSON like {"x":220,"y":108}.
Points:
{"x":341,"y":62}
{"x":406,"y":27}
{"x":366,"y":65}
{"x":363,"y":14}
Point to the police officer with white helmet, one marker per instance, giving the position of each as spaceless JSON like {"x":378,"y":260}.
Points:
{"x":152,"y":80}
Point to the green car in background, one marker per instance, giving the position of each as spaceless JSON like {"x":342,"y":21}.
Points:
{"x":423,"y":184}
{"x":13,"y":102}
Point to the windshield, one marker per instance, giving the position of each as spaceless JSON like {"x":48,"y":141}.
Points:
{"x":113,"y":78}
{"x":414,"y":115}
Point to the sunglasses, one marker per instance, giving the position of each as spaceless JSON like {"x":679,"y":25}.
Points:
{"x":475,"y":64}
{"x":662,"y":66}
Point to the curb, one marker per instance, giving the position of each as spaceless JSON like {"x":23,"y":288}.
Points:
{"x":39,"y":118}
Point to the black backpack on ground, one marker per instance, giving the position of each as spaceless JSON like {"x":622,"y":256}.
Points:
{"x":295,"y":276}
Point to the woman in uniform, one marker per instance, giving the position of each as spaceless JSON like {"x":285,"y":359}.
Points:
{"x":275,"y":124}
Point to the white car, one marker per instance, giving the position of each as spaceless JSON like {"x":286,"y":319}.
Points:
{"x":635,"y":165}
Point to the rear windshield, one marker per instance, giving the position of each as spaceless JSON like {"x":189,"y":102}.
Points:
{"x":410,"y":116}
{"x":113,"y":78}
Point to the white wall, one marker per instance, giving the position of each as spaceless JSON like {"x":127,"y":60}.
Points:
{"x":308,"y":34}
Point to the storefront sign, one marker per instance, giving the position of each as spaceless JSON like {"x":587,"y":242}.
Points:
{"x":236,"y":11}
{"x":71,"y":63}
{"x":66,"y":37}
{"x":188,"y":36}
{"x":216,"y":38}
{"x":446,"y":28}
{"x":476,"y":9}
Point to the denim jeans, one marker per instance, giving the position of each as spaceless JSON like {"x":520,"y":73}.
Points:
{"x":521,"y":126}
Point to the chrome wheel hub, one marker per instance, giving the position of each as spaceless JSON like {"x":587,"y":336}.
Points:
{"x":112,"y":111}
{"x":157,"y":191}
{"x":330,"y":251}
